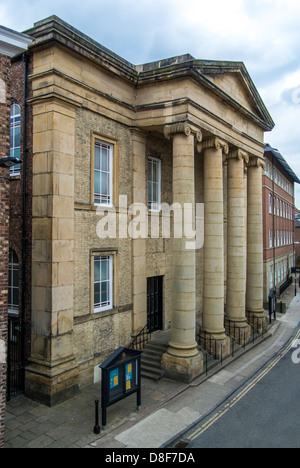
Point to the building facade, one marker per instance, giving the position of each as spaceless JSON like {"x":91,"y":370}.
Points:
{"x":279,"y":222}
{"x":11,"y":43}
{"x":121,"y":160}
{"x":297,"y":238}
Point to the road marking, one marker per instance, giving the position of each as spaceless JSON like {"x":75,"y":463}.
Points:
{"x":241,"y":395}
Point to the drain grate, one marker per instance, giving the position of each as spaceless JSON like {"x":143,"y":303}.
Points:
{"x":181,"y":444}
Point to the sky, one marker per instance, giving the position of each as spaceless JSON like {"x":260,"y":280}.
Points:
{"x":264,"y":34}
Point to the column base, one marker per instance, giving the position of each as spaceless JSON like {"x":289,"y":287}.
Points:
{"x":240,"y":329}
{"x":51,"y":385}
{"x":259,"y":320}
{"x":217,"y":345}
{"x":183,"y":369}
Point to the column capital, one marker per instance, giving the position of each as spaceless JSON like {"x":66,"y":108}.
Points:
{"x":256,"y":161}
{"x":213,"y":142}
{"x":182,"y":127}
{"x":238,"y":154}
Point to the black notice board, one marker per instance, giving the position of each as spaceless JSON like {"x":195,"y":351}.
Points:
{"x":121,"y":377}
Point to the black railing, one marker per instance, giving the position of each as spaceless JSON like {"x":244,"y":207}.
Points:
{"x":141,"y":339}
{"x":15,"y":358}
{"x":285,"y":285}
{"x":209,"y":343}
{"x":259,"y":324}
{"x":205,"y":353}
{"x":239,"y":333}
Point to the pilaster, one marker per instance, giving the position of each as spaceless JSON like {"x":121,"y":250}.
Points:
{"x":52,"y":373}
{"x":139,"y":279}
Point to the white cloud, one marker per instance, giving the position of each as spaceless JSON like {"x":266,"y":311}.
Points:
{"x":264,"y":34}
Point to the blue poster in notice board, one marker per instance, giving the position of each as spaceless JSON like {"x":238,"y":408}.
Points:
{"x":114,"y":378}
{"x":128,"y":372}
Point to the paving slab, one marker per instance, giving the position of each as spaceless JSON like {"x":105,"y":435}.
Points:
{"x":168,"y":407}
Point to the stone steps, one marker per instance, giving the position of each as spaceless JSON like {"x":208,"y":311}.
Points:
{"x":151,"y":360}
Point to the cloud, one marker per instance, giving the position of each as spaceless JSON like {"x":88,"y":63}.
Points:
{"x":264,"y":34}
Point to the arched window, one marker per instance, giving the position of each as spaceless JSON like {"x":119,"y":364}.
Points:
{"x":15,"y":137}
{"x":13,"y":284}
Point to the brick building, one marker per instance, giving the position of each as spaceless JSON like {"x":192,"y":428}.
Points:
{"x":11,"y":43}
{"x":297,"y":238}
{"x":104,"y":137}
{"x":279,"y":222}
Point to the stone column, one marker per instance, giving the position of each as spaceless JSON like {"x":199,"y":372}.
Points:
{"x":139,"y":279}
{"x":183,"y":360}
{"x":236,"y":244}
{"x":213,"y":294}
{"x":254,"y":296}
{"x":52,"y":373}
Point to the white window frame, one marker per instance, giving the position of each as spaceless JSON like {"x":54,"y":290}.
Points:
{"x":108,"y":282}
{"x":14,"y":267}
{"x":15,"y":149}
{"x":104,"y":199}
{"x":270,"y":204}
{"x":271,"y":276}
{"x":154,"y":204}
{"x":270,"y":239}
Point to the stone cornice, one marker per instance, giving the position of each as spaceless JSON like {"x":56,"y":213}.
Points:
{"x":53,"y":29}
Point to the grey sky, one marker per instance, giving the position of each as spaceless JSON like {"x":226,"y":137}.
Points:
{"x":264,"y":34}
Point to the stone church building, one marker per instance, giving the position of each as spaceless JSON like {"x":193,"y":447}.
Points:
{"x":104,"y":140}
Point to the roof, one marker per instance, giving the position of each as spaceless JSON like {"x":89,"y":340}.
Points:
{"x":280,"y":159}
{"x":13,"y":42}
{"x":55,"y":29}
{"x":120,"y":355}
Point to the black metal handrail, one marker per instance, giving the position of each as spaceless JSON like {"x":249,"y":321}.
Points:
{"x":206,"y":354}
{"x":234,"y":329}
{"x":141,"y":339}
{"x":210,"y":344}
{"x":240,"y":331}
{"x":256,"y":320}
{"x":232,"y":342}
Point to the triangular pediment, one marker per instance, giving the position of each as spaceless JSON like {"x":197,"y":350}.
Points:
{"x":232,"y":84}
{"x":233,"y":80}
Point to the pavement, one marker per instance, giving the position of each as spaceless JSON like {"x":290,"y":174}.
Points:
{"x":169,"y":408}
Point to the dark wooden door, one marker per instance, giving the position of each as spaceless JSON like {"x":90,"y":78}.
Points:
{"x":154,"y":303}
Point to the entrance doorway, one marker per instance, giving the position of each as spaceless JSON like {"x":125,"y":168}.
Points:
{"x":155,"y":303}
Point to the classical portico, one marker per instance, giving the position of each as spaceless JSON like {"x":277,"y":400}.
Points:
{"x":222,"y":307}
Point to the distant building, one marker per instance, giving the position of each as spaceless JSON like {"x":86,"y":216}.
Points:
{"x":297,"y":237}
{"x":279,"y":221}
{"x":11,"y":44}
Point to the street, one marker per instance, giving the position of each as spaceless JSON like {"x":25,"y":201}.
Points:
{"x":265,"y":413}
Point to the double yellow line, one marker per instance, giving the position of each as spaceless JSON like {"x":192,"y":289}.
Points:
{"x":241,"y":395}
